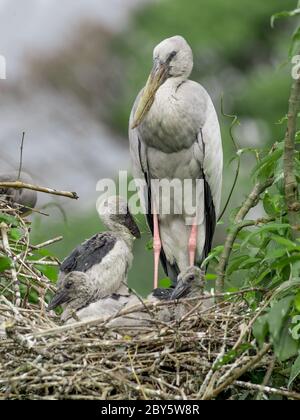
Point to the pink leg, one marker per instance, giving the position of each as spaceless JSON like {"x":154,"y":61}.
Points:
{"x":193,"y":242}
{"x":156,"y":246}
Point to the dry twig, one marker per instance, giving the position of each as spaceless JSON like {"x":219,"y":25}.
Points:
{"x":22,"y":185}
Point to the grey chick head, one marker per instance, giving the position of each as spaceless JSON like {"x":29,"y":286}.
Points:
{"x":115,"y":214}
{"x":189,"y":283}
{"x":75,"y":290}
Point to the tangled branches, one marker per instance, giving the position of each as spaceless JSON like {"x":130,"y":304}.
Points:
{"x":206,"y":353}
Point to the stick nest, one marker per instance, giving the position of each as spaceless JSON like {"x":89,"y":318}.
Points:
{"x":201,"y":356}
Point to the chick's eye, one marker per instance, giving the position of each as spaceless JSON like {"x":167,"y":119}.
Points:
{"x":69,"y":284}
{"x":191,"y":278}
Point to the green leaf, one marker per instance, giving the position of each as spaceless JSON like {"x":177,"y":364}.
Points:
{"x":49,"y":271}
{"x":235,"y":263}
{"x":287,"y":285}
{"x":283,"y":241}
{"x":265,"y":167}
{"x":266,"y":228}
{"x":244,"y":234}
{"x":165,"y":283}
{"x":283,"y":262}
{"x":295,"y":371}
{"x":277,"y":315}
{"x":8,"y":219}
{"x":231,"y":355}
{"x":149,"y":245}
{"x":284,"y":14}
{"x":15,"y":234}
{"x":44,"y":253}
{"x":297,"y":302}
{"x":260,"y":329}
{"x":262,"y":276}
{"x":275,"y":253}
{"x":213,"y":254}
{"x":286,"y":347}
{"x":295,"y":41}
{"x":282,"y":120}
{"x":249,"y":263}
{"x":210,"y":276}
{"x":5,"y":263}
{"x":269,"y":205}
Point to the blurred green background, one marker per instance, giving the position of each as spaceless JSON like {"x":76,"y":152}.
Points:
{"x":236,"y":54}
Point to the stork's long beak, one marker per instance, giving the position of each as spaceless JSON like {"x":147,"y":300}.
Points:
{"x":60,"y":297}
{"x":158,"y":76}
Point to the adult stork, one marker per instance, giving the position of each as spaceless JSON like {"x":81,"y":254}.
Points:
{"x":174,"y":133}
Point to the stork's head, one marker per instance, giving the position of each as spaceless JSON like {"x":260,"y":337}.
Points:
{"x":173,"y":57}
{"x":76,"y":291}
{"x":116,"y":215}
{"x":189,"y":282}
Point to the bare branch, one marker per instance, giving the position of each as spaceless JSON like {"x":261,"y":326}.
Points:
{"x":237,"y":373}
{"x":268,"y":390}
{"x":21,"y":185}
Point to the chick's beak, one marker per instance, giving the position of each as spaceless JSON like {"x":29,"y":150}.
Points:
{"x":157,"y":77}
{"x":180,"y":290}
{"x":132,"y":226}
{"x":60,"y":297}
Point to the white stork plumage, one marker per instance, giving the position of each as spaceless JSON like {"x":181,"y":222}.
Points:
{"x":174,"y":133}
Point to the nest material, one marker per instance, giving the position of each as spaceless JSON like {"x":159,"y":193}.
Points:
{"x":87,"y":360}
{"x":23,"y":276}
{"x":200,"y":356}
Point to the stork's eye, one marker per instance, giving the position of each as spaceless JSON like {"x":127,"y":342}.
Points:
{"x":172,"y":55}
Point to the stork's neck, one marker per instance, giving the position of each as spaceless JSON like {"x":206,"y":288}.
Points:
{"x":173,"y":83}
{"x":120,"y":231}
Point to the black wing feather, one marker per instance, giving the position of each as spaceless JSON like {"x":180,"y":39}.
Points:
{"x":210,"y":219}
{"x":89,"y":253}
{"x":209,"y":212}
